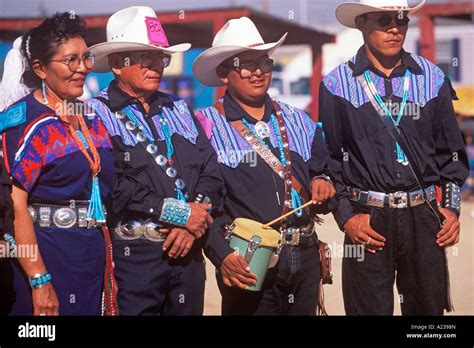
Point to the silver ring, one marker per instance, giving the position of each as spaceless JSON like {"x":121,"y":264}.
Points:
{"x":42,"y":314}
{"x":368,"y":241}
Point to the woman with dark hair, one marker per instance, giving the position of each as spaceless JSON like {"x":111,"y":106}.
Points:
{"x":61,"y":167}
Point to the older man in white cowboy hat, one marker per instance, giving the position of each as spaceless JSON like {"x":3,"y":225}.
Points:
{"x":166,"y":176}
{"x":393,"y":137}
{"x":291,"y":157}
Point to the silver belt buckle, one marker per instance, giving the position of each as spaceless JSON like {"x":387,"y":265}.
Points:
{"x":64,"y":217}
{"x":151,"y":232}
{"x":376,"y":199}
{"x":45,"y":216}
{"x":398,"y":199}
{"x":295,"y":236}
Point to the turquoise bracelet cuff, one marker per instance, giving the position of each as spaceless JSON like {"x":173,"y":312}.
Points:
{"x":39,"y":280}
{"x":175,"y":212}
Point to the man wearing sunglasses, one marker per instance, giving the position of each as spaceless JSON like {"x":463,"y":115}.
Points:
{"x":166,"y":176}
{"x":393,"y":138}
{"x":284,"y":167}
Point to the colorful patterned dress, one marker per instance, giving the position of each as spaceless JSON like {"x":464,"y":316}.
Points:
{"x":43,"y":159}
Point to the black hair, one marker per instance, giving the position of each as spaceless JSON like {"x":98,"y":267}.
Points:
{"x":41,"y":43}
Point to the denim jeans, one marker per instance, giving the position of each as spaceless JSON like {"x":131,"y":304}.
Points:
{"x":290,"y":288}
{"x":410,"y":257}
{"x":150,"y":283}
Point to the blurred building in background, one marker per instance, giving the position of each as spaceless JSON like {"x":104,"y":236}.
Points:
{"x":442,"y":32}
{"x":299,"y":63}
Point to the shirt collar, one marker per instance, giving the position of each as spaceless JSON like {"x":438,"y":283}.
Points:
{"x":118,"y":100}
{"x":234,"y":112}
{"x":362,"y":63}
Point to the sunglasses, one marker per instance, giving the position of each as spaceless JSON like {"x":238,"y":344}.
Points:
{"x":384,"y":20}
{"x":150,"y":59}
{"x":74,"y":62}
{"x":246,"y":69}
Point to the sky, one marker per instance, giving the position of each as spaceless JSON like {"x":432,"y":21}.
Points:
{"x":315,"y":13}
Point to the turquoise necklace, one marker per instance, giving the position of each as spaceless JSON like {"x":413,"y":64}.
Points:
{"x":295,"y":197}
{"x":401,"y":157}
{"x":169,"y":146}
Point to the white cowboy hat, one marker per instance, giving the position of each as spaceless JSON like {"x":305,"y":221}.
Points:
{"x":346,"y":13}
{"x":134,"y":28}
{"x":236,"y":36}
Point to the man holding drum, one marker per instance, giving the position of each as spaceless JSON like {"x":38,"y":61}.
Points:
{"x":289,"y":164}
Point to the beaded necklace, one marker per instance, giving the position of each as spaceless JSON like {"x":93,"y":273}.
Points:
{"x":295,"y":197}
{"x":95,"y":212}
{"x":152,"y":148}
{"x":401,"y":157}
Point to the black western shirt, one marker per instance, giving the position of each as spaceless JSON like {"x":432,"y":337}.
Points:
{"x":252,"y":189}
{"x":362,"y":152}
{"x":140,"y":184}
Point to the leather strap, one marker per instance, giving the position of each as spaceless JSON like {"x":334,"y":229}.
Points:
{"x":269,"y":158}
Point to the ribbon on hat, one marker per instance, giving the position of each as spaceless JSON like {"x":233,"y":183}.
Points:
{"x":156,"y":34}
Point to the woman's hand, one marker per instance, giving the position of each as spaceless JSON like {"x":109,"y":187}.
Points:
{"x":45,"y":301}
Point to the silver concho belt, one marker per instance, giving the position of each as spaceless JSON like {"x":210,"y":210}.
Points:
{"x":61,"y":216}
{"x":398,"y":199}
{"x":137,"y":229}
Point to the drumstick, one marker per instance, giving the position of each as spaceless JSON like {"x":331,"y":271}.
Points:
{"x":287,"y":214}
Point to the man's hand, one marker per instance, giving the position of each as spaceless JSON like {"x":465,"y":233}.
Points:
{"x":199,"y":220}
{"x":359,"y":230}
{"x":236,"y":272}
{"x":181,"y":241}
{"x":322,"y":190}
{"x":449,"y":233}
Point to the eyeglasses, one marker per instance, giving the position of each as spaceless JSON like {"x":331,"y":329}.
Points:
{"x":246,"y":69}
{"x":149,"y":59}
{"x":384,"y":20}
{"x":74,"y":62}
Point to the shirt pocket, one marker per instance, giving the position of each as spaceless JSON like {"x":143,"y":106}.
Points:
{"x":191,"y":174}
{"x":418,"y":126}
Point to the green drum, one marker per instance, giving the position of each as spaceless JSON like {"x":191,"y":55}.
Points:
{"x":256,"y":244}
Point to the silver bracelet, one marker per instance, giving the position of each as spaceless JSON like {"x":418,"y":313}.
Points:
{"x":451,"y":196}
{"x":39,"y":280}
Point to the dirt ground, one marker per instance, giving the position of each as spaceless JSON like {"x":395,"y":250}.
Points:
{"x":461,"y":265}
